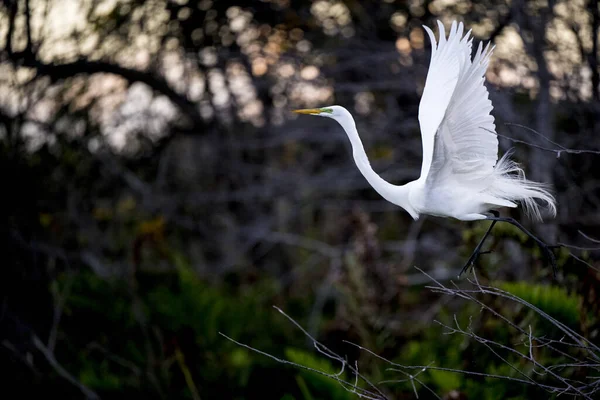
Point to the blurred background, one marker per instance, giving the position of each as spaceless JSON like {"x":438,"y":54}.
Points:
{"x":157,"y":190}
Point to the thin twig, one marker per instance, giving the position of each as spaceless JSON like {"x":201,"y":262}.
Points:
{"x":558,"y":152}
{"x":89,"y":393}
{"x":361,"y":392}
{"x":566,"y":386}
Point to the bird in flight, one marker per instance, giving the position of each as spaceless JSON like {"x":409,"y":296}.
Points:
{"x":461,"y":176}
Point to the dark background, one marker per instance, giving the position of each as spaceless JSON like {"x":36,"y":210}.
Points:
{"x":156,"y":190}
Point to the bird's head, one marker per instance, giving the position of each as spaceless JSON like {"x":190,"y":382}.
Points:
{"x":334,"y":112}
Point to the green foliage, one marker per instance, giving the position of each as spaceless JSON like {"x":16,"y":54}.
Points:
{"x":446,"y":380}
{"x":459,"y":352}
{"x":158,"y":195}
{"x":169,"y":324}
{"x":315,"y":386}
{"x":210,"y":309}
{"x":501,"y":230}
{"x":432,"y":347}
{"x":100,"y":377}
{"x":553,"y":300}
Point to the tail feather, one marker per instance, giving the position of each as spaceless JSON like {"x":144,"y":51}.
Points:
{"x":510,"y":183}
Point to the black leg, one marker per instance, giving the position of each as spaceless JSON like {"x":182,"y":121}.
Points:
{"x":477,"y":250}
{"x":546,"y":249}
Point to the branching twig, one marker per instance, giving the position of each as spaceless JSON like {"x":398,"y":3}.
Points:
{"x":49,"y":355}
{"x":58,"y":309}
{"x":345,"y":384}
{"x":540,"y":370}
{"x":558,"y":151}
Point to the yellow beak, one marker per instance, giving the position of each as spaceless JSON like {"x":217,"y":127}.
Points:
{"x":310,"y":111}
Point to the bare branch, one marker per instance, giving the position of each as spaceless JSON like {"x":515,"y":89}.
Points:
{"x":58,"y":309}
{"x":12,"y":15}
{"x":89,"y":393}
{"x":29,"y":44}
{"x":89,"y":67}
{"x":563,"y":385}
{"x":558,"y":152}
{"x":345,"y":384}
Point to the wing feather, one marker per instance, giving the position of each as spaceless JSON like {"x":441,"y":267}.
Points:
{"x":447,"y":60}
{"x":466,"y":143}
{"x":460,"y":145}
{"x":463,"y":142}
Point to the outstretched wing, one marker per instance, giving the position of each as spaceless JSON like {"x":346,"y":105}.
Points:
{"x":457,"y":129}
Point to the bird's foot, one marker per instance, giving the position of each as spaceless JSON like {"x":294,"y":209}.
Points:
{"x":470,"y":264}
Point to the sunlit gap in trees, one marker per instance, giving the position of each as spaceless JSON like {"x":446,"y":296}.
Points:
{"x":224,"y":84}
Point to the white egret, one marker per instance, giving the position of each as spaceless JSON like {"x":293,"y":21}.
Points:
{"x":461,"y":176}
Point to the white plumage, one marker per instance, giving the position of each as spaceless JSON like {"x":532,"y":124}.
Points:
{"x":461,"y":176}
{"x":460,"y":147}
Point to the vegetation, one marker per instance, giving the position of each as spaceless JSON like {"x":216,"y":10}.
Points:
{"x":160,"y":200}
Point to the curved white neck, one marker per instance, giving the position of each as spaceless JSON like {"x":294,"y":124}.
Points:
{"x":393,"y":193}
